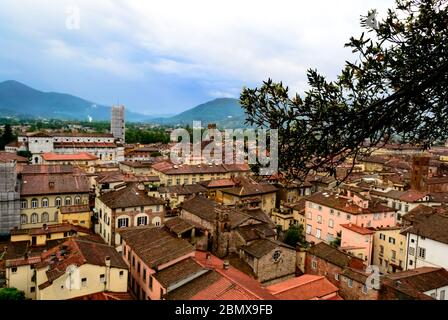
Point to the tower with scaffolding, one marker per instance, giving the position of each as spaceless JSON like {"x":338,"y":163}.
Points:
{"x":9,"y":197}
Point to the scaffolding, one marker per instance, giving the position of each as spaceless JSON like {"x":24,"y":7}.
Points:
{"x":9,"y":198}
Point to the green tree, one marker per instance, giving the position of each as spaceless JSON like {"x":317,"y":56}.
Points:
{"x":397,"y":86}
{"x":7,"y":136}
{"x":294,"y":236}
{"x":11,"y":294}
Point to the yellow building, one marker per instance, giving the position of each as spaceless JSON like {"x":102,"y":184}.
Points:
{"x":248,"y":192}
{"x":128,"y":206}
{"x":290,"y":214}
{"x":389,"y":249}
{"x":171,"y":175}
{"x":76,"y":214}
{"x":75,"y":268}
{"x":41,"y":196}
{"x":41,"y":236}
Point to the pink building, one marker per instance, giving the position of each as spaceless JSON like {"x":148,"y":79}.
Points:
{"x":357,"y":241}
{"x":327,"y":211}
{"x":150,"y":250}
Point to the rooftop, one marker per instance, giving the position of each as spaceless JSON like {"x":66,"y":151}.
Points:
{"x":305,"y":287}
{"x":129,"y":196}
{"x":82,"y":156}
{"x":155,"y":246}
{"x":46,"y":184}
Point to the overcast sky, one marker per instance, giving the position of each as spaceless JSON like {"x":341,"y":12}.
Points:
{"x":166,"y":56}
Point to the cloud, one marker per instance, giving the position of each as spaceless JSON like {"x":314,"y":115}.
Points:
{"x":192,"y":49}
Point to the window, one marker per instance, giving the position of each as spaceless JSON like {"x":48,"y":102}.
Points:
{"x":336,"y":276}
{"x":381,"y":249}
{"x":442,"y":294}
{"x":348,"y":217}
{"x":45,"y":217}
{"x":150,"y":282}
{"x":58,"y":202}
{"x":144,"y":274}
{"x":34,"y":203}
{"x":34,"y":218}
{"x":411,"y":262}
{"x":320,"y":208}
{"x":364,"y":289}
{"x":391,"y":240}
{"x":421,"y":253}
{"x":394,"y":255}
{"x":23,"y":204}
{"x":157,"y":208}
{"x":23,"y":219}
{"x":77,"y":200}
{"x":308,"y":229}
{"x":14,"y":270}
{"x":121,"y":274}
{"x":123,"y":222}
{"x":350,"y":283}
{"x":142,"y":221}
{"x":68,"y":201}
{"x":314,"y":263}
{"x":138,"y":267}
{"x":331,"y":223}
{"x":411,"y":251}
{"x":332,"y":212}
{"x":84,"y":282}
{"x":133,"y":261}
{"x":45,"y":203}
{"x":319,"y":219}
{"x":309,"y":215}
{"x":382,"y":236}
{"x":33,"y":289}
{"x":156,"y":221}
{"x":56,"y":216}
{"x":318,"y":233}
{"x":102,"y":278}
{"x":406,"y":208}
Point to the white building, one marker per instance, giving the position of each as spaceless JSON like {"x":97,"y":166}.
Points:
{"x":117,"y":125}
{"x":426,"y":231}
{"x":102,"y":145}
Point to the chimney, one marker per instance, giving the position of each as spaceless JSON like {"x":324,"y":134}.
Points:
{"x":107,"y":261}
{"x":225,"y":265}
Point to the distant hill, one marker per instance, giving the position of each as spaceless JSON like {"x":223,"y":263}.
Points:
{"x":225,"y":112}
{"x":20,"y":100}
{"x":17,"y":99}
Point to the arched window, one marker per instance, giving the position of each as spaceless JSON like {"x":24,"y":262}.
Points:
{"x":77,"y":200}
{"x":45,"y":217}
{"x":34,"y":218}
{"x":23,"y":204}
{"x":58,"y":202}
{"x":56,"y":216}
{"x":45,"y":203}
{"x":23,"y":219}
{"x":34,"y":203}
{"x":68,"y":201}
{"x":156,"y":221}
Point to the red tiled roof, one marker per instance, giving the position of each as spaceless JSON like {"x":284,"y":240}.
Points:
{"x":9,"y":156}
{"x":82,"y":156}
{"x":357,"y":229}
{"x":306,"y":287}
{"x":241,"y":279}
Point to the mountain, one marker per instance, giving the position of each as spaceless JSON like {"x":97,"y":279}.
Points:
{"x":225,"y":112}
{"x":20,"y":100}
{"x":17,"y":99}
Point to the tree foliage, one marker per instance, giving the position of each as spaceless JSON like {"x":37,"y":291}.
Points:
{"x":294,"y":236}
{"x":6,"y":137}
{"x":396,"y":87}
{"x":11,"y":294}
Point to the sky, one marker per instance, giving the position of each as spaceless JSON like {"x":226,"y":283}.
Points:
{"x":163,"y":57}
